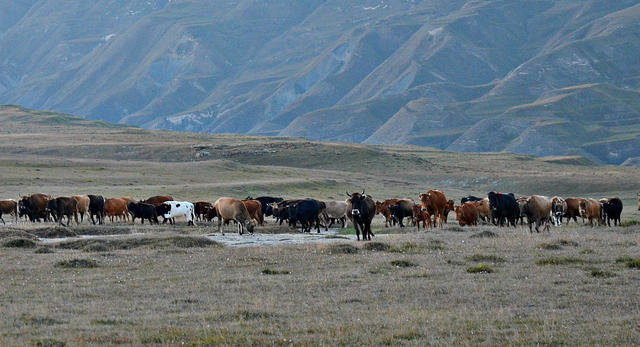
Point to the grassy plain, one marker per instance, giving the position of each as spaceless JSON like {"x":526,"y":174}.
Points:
{"x":167,"y":285}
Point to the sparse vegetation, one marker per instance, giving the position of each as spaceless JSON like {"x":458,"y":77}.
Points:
{"x":275,"y":272}
{"x":485,"y":258}
{"x":77,"y":263}
{"x":560,"y":261}
{"x":557,"y":245}
{"x":19,"y":243}
{"x":485,"y":233}
{"x":479,"y":269}
{"x":403,"y":263}
{"x":342,"y":248}
{"x":376,"y":246}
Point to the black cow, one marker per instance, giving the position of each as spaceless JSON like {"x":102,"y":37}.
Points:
{"x":361,"y":209}
{"x":161,"y":210}
{"x":266,"y":201}
{"x":504,"y":207}
{"x":307,"y":212}
{"x":611,"y":209}
{"x":143,"y":211}
{"x":469,"y":198}
{"x":401,"y":210}
{"x":63,"y":207}
{"x":96,"y":208}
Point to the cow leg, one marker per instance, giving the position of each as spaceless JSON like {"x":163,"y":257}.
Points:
{"x":318,"y":225}
{"x":2,"y":219}
{"x":356,"y":226}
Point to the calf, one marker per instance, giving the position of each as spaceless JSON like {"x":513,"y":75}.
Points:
{"x":484,"y":210}
{"x":173,"y":209}
{"x":201,"y":209}
{"x":421,"y":216}
{"x":383,"y":209}
{"x":402,"y":209}
{"x":142,"y":211}
{"x":96,"y":208}
{"x":63,"y":207}
{"x":9,"y":207}
{"x":467,"y":214}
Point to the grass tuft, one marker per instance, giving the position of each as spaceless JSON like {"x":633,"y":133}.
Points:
{"x":557,"y":245}
{"x":49,"y":343}
{"x":19,"y":243}
{"x":44,"y":250}
{"x":275,"y":272}
{"x":485,"y":233}
{"x":342,"y":248}
{"x":560,"y":261}
{"x":629,"y":223}
{"x":485,"y":258}
{"x":38,"y":320}
{"x":403,"y":263}
{"x":77,"y":263}
{"x":376,"y":246}
{"x":601,"y":273}
{"x":633,"y":263}
{"x":479,"y":269}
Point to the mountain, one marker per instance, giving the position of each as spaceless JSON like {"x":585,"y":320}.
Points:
{"x":539,"y":77}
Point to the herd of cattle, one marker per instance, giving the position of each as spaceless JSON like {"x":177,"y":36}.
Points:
{"x":359,"y":208}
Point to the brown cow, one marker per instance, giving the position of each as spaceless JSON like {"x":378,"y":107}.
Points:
{"x":590,"y":208}
{"x":34,"y":206}
{"x":157,"y":200}
{"x":116,"y":207}
{"x":521,"y":202}
{"x":421,"y":216}
{"x":233,"y":209}
{"x":537,"y":208}
{"x":638,"y":201}
{"x":573,"y":209}
{"x":450,"y":207}
{"x":484,"y":209}
{"x":61,"y":207}
{"x":383,"y":209}
{"x":9,"y":207}
{"x":82,"y":205}
{"x":201,"y":209}
{"x":467,"y":214}
{"x":254,"y":207}
{"x":435,"y":202}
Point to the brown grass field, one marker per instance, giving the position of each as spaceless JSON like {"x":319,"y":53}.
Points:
{"x":169,"y":285}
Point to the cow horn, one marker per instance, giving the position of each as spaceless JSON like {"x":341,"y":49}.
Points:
{"x":347,"y":193}
{"x":362,"y":191}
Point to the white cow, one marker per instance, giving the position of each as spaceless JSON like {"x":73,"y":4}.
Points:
{"x":172,"y":209}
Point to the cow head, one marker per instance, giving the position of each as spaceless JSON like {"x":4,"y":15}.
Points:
{"x":163,"y":209}
{"x":583,"y":208}
{"x":249,"y":225}
{"x":23,"y":206}
{"x":358,"y":207}
{"x":380,"y":208}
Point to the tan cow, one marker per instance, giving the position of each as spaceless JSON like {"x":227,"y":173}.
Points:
{"x":233,"y":209}
{"x":590,"y":209}
{"x":82,"y":205}
{"x":435,"y":202}
{"x":115,"y":208}
{"x":254,"y":207}
{"x":537,"y":209}
{"x":467,"y":213}
{"x":484,"y":209}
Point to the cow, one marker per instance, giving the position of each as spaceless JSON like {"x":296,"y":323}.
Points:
{"x":9,"y":207}
{"x":521,"y":201}
{"x":172,"y":209}
{"x":255,"y":210}
{"x":61,"y":207}
{"x":307,"y":212}
{"x":573,"y":209}
{"x":469,"y":198}
{"x":34,"y":207}
{"x":280,"y":210}
{"x":484,"y":210}
{"x":421,"y":216}
{"x":142,"y":211}
{"x":233,"y":209}
{"x":158,"y":200}
{"x":334,"y":211}
{"x":611,"y":209}
{"x":435,"y":202}
{"x":504,"y":207}
{"x":590,"y":209}
{"x":360,"y":210}
{"x":558,"y":210}
{"x":82,"y":205}
{"x":467,"y":214}
{"x":448,"y":209}
{"x":115,"y":207}
{"x":383,"y":209}
{"x":201,"y":209}
{"x":96,"y":208}
{"x":402,"y":209}
{"x":266,"y":202}
{"x":537,"y":209}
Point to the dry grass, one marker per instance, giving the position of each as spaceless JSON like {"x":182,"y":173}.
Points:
{"x":262,"y":295}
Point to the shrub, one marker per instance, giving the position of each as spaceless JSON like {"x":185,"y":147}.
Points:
{"x":485,"y":257}
{"x":485,"y":233}
{"x":479,"y":269}
{"x":77,"y":263}
{"x":560,"y":261}
{"x":342,"y":248}
{"x":403,"y":263}
{"x":19,"y":243}
{"x":275,"y":272}
{"x":376,"y":246}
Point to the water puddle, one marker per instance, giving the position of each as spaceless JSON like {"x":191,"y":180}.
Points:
{"x":257,"y":239}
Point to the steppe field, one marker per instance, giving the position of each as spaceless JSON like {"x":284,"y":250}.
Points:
{"x":123,"y":284}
